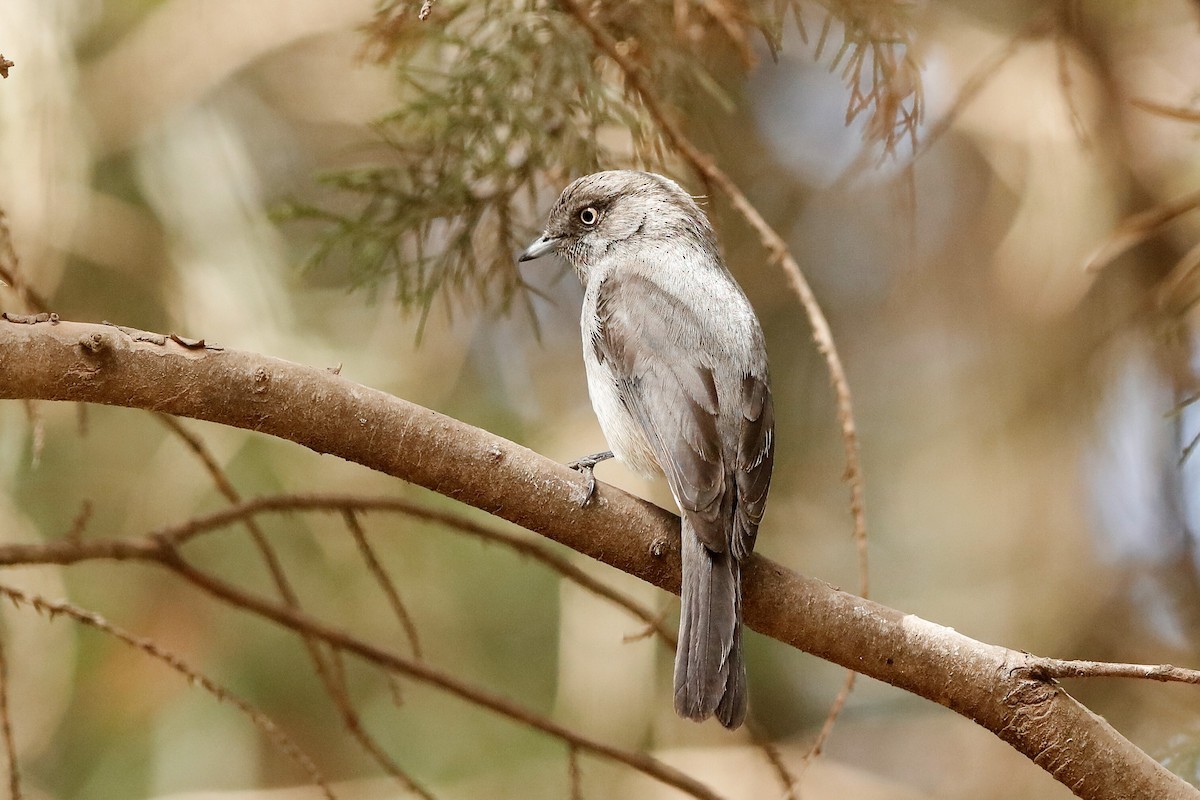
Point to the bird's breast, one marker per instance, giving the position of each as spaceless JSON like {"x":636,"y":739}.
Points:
{"x":621,"y":430}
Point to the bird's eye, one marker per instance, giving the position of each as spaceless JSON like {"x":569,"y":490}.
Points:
{"x":589,"y":216}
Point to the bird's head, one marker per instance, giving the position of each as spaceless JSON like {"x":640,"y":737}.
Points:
{"x":607,"y":213}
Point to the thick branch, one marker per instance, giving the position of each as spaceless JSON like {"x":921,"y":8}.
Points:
{"x":999,"y":688}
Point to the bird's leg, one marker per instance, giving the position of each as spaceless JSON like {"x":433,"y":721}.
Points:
{"x":585,"y":466}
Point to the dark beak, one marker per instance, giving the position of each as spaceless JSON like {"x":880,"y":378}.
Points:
{"x":542,"y":245}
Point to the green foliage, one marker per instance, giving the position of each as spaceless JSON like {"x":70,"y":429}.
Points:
{"x":502,"y":103}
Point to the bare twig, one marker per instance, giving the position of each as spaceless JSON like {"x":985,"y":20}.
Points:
{"x":10,"y":269}
{"x":788,"y":782}
{"x":10,"y":275}
{"x":334,"y":688}
{"x":1178,"y":291}
{"x":981,"y":77}
{"x":835,"y":710}
{"x":384,"y":581}
{"x":182,"y":533}
{"x":10,"y":743}
{"x":151,"y":648}
{"x":231,"y":494}
{"x":1188,"y":449}
{"x":37,"y":425}
{"x":1163,"y":110}
{"x":727,"y":18}
{"x":574,"y":775}
{"x":335,"y":685}
{"x":1060,"y":668}
{"x":1062,"y":56}
{"x":425,"y":673}
{"x":1140,"y":227}
{"x":665,"y":635}
{"x":354,"y":725}
{"x":207,"y":459}
{"x":79,"y":524}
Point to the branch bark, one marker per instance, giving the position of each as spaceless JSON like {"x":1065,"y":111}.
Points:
{"x":1003,"y":690}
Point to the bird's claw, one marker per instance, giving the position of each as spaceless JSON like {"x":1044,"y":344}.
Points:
{"x":586,"y":467}
{"x":589,"y":490}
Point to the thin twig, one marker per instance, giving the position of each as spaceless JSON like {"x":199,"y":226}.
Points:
{"x":726,"y":18}
{"x":80,"y":523}
{"x":835,"y":710}
{"x":980,"y":78}
{"x":334,"y":688}
{"x":151,"y":648}
{"x":789,"y":782}
{"x":421,"y":671}
{"x":1163,"y":110}
{"x":1177,"y":292}
{"x":184,"y":532}
{"x":10,"y":270}
{"x":353,"y":723}
{"x":29,"y":300}
{"x":384,"y":581}
{"x":63,"y":552}
{"x":1067,"y":21}
{"x":1139,"y":227}
{"x":207,"y":459}
{"x":1062,"y":668}
{"x":37,"y":426}
{"x":1188,"y":450}
{"x":1183,"y":403}
{"x":10,"y":743}
{"x":574,"y":775}
{"x":666,"y":636}
{"x":231,"y":494}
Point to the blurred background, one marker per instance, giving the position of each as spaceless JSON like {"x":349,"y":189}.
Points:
{"x":1018,"y":340}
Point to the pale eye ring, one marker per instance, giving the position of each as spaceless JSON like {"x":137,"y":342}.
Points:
{"x":589,"y":216}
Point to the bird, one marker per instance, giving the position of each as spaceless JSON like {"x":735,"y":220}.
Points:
{"x":676,"y":368}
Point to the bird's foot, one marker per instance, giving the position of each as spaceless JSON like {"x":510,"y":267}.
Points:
{"x":585,"y":467}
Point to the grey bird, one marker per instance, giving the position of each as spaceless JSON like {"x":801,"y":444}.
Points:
{"x":677,"y":373}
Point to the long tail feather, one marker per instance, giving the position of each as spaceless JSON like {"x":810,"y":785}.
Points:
{"x":710,"y":674}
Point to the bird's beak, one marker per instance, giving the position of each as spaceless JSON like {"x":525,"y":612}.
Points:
{"x":542,"y":245}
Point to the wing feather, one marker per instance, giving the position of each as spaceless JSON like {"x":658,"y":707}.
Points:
{"x":675,"y":402}
{"x":755,"y":460}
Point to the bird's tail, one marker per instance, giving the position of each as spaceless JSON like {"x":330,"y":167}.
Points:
{"x":710,"y":674}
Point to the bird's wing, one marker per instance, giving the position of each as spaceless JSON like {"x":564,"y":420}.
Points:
{"x":755,"y":460}
{"x":667,"y":388}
